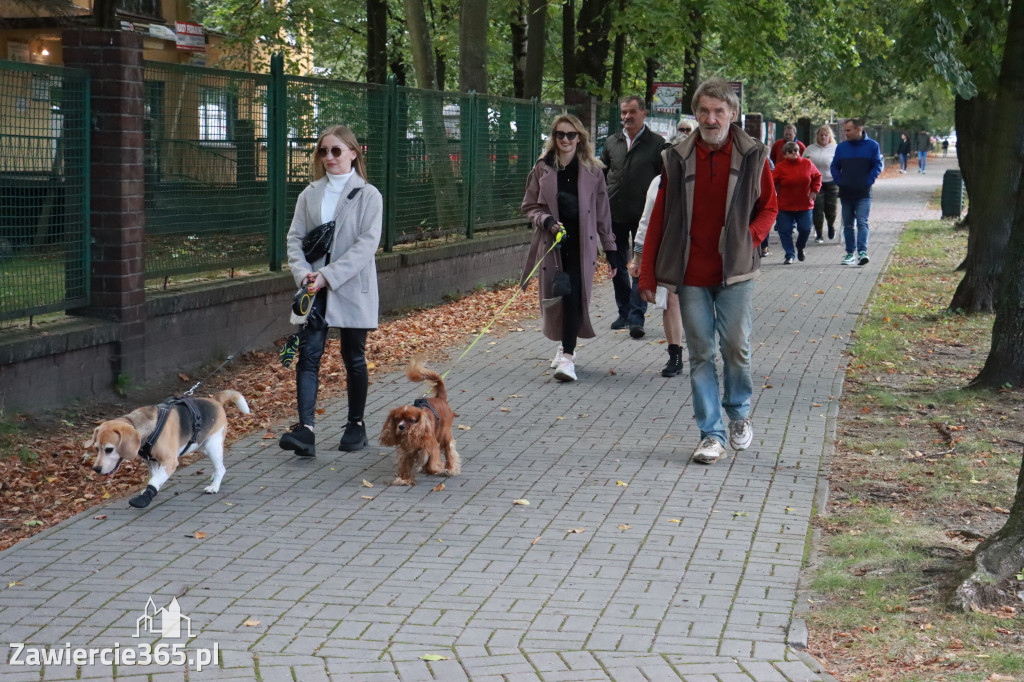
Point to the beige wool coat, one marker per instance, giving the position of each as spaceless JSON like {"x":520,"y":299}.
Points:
{"x":540,"y":202}
{"x":353,"y":300}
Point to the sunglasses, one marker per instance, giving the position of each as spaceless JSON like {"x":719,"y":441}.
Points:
{"x":562,"y":135}
{"x":334,"y":151}
{"x":686,"y":130}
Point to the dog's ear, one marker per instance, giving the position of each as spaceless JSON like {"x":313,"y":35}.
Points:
{"x":422,"y":429}
{"x":92,"y":441}
{"x":388,"y":434}
{"x":130,"y":440}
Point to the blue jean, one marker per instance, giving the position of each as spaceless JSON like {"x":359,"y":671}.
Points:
{"x":903,"y":161}
{"x":727,"y":311}
{"x":784,"y":223}
{"x":631,"y":307}
{"x":922,"y":159}
{"x":856,"y":210}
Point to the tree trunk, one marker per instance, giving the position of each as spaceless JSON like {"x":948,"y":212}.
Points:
{"x":987,"y":173}
{"x":692,"y":62}
{"x":473,"y":47}
{"x":651,"y":73}
{"x":420,"y":43}
{"x":518,"y":29}
{"x":569,"y":49}
{"x":376,"y":41}
{"x":536,"y":39}
{"x":618,"y":56}
{"x":594,"y":23}
{"x":1002,"y":554}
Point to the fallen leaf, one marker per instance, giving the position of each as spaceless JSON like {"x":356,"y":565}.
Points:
{"x":521,"y":502}
{"x":535,"y":540}
{"x":13,"y":583}
{"x":184,"y":377}
{"x":1000,"y":510}
{"x":622,"y":483}
{"x":371,"y":365}
{"x":433,"y":657}
{"x":505,"y":409}
{"x":735,"y":514}
{"x":101,"y":517}
{"x":575,"y":530}
{"x":251,"y":622}
{"x":612,"y":372}
{"x":366,"y":497}
{"x":199,"y":535}
{"x":675,"y":521}
{"x":268,"y":435}
{"x":624,"y":526}
{"x":438,"y":488}
{"x":367,"y":484}
{"x":463,"y":428}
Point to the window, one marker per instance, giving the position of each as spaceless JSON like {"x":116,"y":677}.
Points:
{"x":142,"y":8}
{"x":217,"y":113}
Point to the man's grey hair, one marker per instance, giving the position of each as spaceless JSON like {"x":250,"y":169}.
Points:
{"x":641,"y":105}
{"x":717,"y":88}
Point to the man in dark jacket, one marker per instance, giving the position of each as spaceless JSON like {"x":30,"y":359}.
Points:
{"x":715,"y":204}
{"x":855,"y":167}
{"x":632,"y":158}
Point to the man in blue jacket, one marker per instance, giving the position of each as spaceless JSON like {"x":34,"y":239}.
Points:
{"x":855,"y":167}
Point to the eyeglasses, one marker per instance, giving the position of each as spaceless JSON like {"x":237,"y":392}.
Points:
{"x":335,"y":151}
{"x":562,"y":135}
{"x":686,"y":130}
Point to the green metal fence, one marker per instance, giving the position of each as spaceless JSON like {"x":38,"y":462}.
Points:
{"x":44,"y":181}
{"x":207,"y":197}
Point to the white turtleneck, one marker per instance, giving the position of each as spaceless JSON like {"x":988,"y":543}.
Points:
{"x":332,"y":195}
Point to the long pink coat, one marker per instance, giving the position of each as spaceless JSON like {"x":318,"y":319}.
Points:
{"x":541,"y":201}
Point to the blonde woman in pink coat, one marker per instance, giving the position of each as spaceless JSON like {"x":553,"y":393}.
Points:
{"x":566,"y":189}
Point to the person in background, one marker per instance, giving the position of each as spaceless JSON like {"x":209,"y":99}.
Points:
{"x":827,"y":201}
{"x":707,"y":250}
{"x":345,"y":282}
{"x":797,"y":183}
{"x":788,"y":135}
{"x":924,"y":145}
{"x":903,"y":152}
{"x":566,"y":190}
{"x":855,"y":167}
{"x":632,"y":158}
{"x":945,"y":146}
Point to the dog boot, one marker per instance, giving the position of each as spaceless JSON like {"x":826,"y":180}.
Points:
{"x":142,"y":500}
{"x":354,"y":437}
{"x":301,"y":439}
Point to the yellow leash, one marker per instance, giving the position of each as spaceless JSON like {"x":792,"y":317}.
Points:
{"x":520,"y":289}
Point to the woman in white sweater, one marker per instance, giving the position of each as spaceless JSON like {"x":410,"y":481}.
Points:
{"x":345,"y":281}
{"x":820,"y":153}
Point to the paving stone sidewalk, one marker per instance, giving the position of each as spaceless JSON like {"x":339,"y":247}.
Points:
{"x":678,"y":571}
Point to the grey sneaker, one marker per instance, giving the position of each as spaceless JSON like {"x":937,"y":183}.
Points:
{"x":708,"y":451}
{"x":741,"y":433}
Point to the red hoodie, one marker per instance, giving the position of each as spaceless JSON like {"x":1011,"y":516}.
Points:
{"x":794,"y":180}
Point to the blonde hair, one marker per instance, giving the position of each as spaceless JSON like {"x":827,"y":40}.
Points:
{"x":584,"y":150}
{"x":828,"y":129}
{"x":348,"y":138}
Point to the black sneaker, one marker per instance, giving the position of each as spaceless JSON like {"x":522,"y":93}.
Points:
{"x":619,"y":323}
{"x":354,"y":437}
{"x":800,"y":254}
{"x":788,"y":260}
{"x":637,"y":331}
{"x":300,"y":439}
{"x":831,"y":231}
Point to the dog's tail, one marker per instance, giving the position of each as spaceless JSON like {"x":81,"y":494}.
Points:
{"x":235,"y":397}
{"x":417,"y":371}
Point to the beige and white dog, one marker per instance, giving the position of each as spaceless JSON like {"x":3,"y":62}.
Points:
{"x":120,"y":439}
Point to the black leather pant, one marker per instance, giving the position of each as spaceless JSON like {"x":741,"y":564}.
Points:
{"x":307,"y":371}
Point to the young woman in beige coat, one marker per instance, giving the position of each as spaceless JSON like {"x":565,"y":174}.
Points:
{"x":345,"y":281}
{"x":566,"y":189}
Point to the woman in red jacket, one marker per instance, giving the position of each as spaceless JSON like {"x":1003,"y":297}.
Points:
{"x":797,"y":182}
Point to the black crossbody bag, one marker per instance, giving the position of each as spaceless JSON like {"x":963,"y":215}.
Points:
{"x":318,"y":242}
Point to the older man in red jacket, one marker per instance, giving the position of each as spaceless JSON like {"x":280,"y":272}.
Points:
{"x":715,"y":205}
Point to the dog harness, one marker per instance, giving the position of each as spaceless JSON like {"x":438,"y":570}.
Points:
{"x":164,"y":409}
{"x":423,"y":402}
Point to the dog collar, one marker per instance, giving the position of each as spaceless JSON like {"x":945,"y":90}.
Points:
{"x":423,"y":402}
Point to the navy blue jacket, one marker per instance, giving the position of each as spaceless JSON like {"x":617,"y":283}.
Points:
{"x":856,"y":166}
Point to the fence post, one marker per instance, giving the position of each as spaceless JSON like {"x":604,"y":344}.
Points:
{"x":277,"y":153}
{"x":469,"y":164}
{"x":391,"y":165}
{"x":535,"y":146}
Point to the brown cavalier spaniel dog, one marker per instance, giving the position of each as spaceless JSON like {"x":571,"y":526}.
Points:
{"x":422,"y":430}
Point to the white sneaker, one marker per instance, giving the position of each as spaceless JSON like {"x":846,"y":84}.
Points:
{"x":741,"y":433}
{"x":709,"y":451}
{"x":558,"y":356}
{"x":566,"y":369}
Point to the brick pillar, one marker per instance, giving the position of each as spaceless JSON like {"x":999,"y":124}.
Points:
{"x":113,"y":60}
{"x":752,"y":126}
